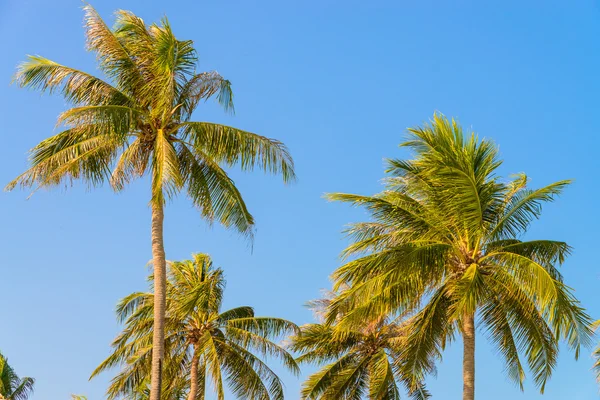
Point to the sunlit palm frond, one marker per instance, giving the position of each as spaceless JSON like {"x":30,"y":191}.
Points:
{"x":212,"y":191}
{"x":171,"y":63}
{"x":203,"y":86}
{"x":382,"y":382}
{"x":113,"y":58}
{"x":523,"y":208}
{"x":234,"y":146}
{"x":83,"y":153}
{"x":77,"y":87}
{"x":166,"y":175}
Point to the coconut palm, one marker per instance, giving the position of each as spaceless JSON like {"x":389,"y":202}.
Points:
{"x":203,"y":343}
{"x":446,"y":241}
{"x":137,"y":123}
{"x":355,"y":362}
{"x":11,"y":386}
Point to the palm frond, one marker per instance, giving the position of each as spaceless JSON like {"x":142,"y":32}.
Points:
{"x":382,"y":383}
{"x":113,"y":57}
{"x":429,"y":330}
{"x":166,"y":174}
{"x":77,"y":87}
{"x":524,"y":207}
{"x":83,"y":152}
{"x":203,"y":86}
{"x":237,"y":147}
{"x":213,"y":192}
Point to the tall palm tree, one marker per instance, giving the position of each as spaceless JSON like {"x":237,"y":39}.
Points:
{"x":202,"y":342}
{"x":446,"y":241}
{"x":138,"y":123}
{"x":11,"y":386}
{"x":360,"y":361}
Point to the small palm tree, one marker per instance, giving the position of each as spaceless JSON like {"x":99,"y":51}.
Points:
{"x":445,"y":241}
{"x":139,"y":123}
{"x":11,"y":386}
{"x":360,"y":360}
{"x":202,"y":342}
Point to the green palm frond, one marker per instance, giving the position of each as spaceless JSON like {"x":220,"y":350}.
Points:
{"x":213,"y":192}
{"x":500,"y":332}
{"x":77,"y":87}
{"x":524,"y":207}
{"x":382,"y":382}
{"x":203,"y":86}
{"x":166,"y":176}
{"x":428,"y":333}
{"x":260,"y":345}
{"x":77,"y":153}
{"x":248,"y":375}
{"x":234,"y":314}
{"x":131,"y":164}
{"x":234,"y":146}
{"x":114,"y":59}
{"x":323,"y":381}
{"x":533,"y":333}
{"x":115,"y":120}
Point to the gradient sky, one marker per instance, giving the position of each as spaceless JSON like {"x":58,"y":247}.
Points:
{"x":338,"y":82}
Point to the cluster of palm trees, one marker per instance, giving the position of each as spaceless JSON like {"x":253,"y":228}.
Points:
{"x":442,"y":255}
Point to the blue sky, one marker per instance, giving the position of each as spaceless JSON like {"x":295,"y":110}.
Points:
{"x":338,"y":82}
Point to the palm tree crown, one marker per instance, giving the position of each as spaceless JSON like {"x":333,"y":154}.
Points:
{"x":359,"y":361}
{"x":445,"y":241}
{"x":141,"y":122}
{"x":202,"y":341}
{"x":11,"y":386}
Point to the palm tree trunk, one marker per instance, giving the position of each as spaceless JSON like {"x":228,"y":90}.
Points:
{"x":194,"y":387}
{"x":160,"y":284}
{"x":469,"y":357}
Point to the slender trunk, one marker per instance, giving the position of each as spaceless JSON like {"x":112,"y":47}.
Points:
{"x":160,"y":284}
{"x":469,"y":357}
{"x":194,"y":386}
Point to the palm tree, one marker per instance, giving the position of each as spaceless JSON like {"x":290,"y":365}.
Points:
{"x":138,"y":123}
{"x":11,"y":386}
{"x":446,"y":242}
{"x":202,"y":342}
{"x":360,"y":360}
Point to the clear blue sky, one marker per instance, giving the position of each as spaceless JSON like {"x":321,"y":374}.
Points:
{"x":338,"y":82}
